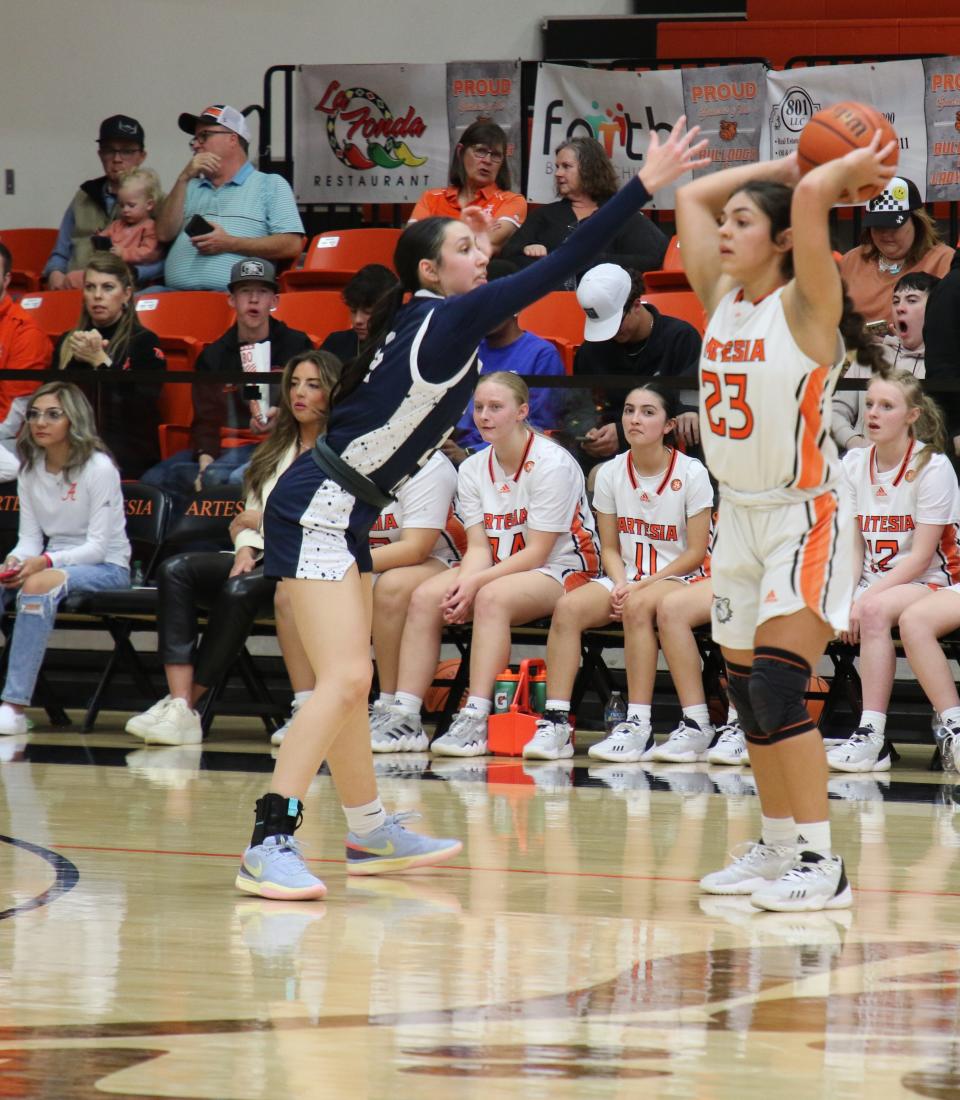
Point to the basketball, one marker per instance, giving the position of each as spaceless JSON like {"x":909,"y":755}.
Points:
{"x":436,"y":697}
{"x":839,"y":129}
{"x":818,"y":688}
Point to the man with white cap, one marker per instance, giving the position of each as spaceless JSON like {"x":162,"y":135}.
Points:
{"x":222,"y":209}
{"x":624,"y":335}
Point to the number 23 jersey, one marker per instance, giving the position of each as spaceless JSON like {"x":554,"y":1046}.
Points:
{"x":765,"y":406}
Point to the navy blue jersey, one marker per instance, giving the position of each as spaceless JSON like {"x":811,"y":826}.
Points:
{"x":423,"y":374}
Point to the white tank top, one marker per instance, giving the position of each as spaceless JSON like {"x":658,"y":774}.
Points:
{"x":765,"y":407}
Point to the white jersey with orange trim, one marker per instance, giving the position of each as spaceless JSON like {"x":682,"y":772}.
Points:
{"x":889,"y":504}
{"x":765,"y":407}
{"x":425,"y":501}
{"x":652,"y":512}
{"x":547,"y":493}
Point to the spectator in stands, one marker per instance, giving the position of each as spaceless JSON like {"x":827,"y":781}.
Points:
{"x":22,"y":347}
{"x":584,"y":180}
{"x":221,"y":209}
{"x":899,"y":236}
{"x":530,"y":538}
{"x":867,"y":355}
{"x":479,"y":176}
{"x":904,"y":494}
{"x":509,"y":348}
{"x":132,"y":235}
{"x":256,"y":341}
{"x":624,"y":335}
{"x":412,"y":540}
{"x":941,"y":341}
{"x":121,"y":148}
{"x":360,"y":296}
{"x":231,"y":588}
{"x":650,"y":540}
{"x":109,"y":337}
{"x":72,"y":532}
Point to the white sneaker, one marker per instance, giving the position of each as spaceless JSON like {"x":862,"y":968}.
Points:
{"x":731,"y":746}
{"x":551,"y":741}
{"x":179,"y":725}
{"x":629,"y":742}
{"x":947,"y":737}
{"x":141,"y":724}
{"x":815,"y":882}
{"x":11,"y":723}
{"x":752,"y":865}
{"x":686,"y":744}
{"x":276,"y":738}
{"x":396,"y":730}
{"x":864,"y":750}
{"x":467,"y":735}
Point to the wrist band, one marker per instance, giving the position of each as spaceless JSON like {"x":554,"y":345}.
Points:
{"x":48,"y":560}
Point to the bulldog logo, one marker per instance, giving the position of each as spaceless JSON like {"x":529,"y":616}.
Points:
{"x":728,"y":129}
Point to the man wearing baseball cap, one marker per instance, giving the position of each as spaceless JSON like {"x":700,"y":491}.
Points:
{"x":899,"y":237}
{"x":120,"y":146}
{"x":625,"y":335}
{"x":221,"y":208}
{"x":256,"y":341}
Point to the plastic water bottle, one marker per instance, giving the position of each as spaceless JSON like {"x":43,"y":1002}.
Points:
{"x":137,"y":577}
{"x":614,"y":712}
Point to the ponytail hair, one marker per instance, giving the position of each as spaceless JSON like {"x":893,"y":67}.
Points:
{"x":929,"y":428}
{"x":421,"y":240}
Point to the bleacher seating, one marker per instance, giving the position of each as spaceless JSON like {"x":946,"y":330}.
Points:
{"x":671,"y":276}
{"x":315,"y":312}
{"x":55,"y":311}
{"x":332,"y":259}
{"x":679,"y":303}
{"x":30,"y":249}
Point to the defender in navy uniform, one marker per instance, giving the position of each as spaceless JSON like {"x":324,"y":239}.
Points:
{"x":391,"y":411}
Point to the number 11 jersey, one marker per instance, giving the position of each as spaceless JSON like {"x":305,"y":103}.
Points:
{"x":765,"y":406}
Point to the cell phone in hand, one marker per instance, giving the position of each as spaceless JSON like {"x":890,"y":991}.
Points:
{"x":877,"y":328}
{"x":197,"y":226}
{"x":101,"y":242}
{"x":9,"y":574}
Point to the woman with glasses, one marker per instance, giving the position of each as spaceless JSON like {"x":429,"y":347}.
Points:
{"x":479,"y":176}
{"x":72,"y":533}
{"x":109,"y":337}
{"x":584,"y":179}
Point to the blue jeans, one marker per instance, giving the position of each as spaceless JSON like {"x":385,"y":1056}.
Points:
{"x":178,"y":473}
{"x":36,"y":615}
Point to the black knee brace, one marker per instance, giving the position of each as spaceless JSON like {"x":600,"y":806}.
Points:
{"x":275,"y":816}
{"x":778,"y":688}
{"x":738,"y":688}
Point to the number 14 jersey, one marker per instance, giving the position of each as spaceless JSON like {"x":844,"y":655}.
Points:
{"x":765,"y":405}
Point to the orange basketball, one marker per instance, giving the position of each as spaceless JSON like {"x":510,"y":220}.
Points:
{"x":839,"y":129}
{"x":436,"y":697}
{"x":820,"y":687}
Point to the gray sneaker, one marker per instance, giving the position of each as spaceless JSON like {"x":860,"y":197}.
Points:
{"x":276,"y":869}
{"x":395,"y":730}
{"x":865,"y":750}
{"x":550,"y":741}
{"x":393,"y":848}
{"x":629,"y":742}
{"x":467,"y":735}
{"x":687,"y":744}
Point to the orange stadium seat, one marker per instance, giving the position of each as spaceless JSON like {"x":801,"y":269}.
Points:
{"x":30,"y":249}
{"x":55,"y":311}
{"x":315,"y":312}
{"x":333,"y":258}
{"x":185,"y":320}
{"x":671,"y":276}
{"x":679,"y":303}
{"x":556,"y":314}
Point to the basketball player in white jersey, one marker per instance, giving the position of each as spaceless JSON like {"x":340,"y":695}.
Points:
{"x":756,"y":248}
{"x":903,"y":493}
{"x":653,"y":513}
{"x":530,"y":538}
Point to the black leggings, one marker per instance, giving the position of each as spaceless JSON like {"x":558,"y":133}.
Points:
{"x":201,"y":581}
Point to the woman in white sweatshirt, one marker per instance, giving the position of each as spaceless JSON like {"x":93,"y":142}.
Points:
{"x":72,"y":536}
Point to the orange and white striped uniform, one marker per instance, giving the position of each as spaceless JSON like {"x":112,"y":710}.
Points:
{"x":889,"y":504}
{"x":426,"y":501}
{"x":784,"y":538}
{"x":546,"y":493}
{"x":652,"y":512}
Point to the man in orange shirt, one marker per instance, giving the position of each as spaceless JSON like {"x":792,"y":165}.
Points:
{"x":23,"y":346}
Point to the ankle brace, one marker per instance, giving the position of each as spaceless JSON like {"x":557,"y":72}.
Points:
{"x":276,"y":815}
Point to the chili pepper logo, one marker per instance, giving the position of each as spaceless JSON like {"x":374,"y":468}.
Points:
{"x":364,"y":133}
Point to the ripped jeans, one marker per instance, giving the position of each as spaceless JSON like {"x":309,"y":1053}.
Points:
{"x":36,"y":614}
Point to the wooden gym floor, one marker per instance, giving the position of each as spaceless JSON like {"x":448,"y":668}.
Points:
{"x":566,"y":954}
